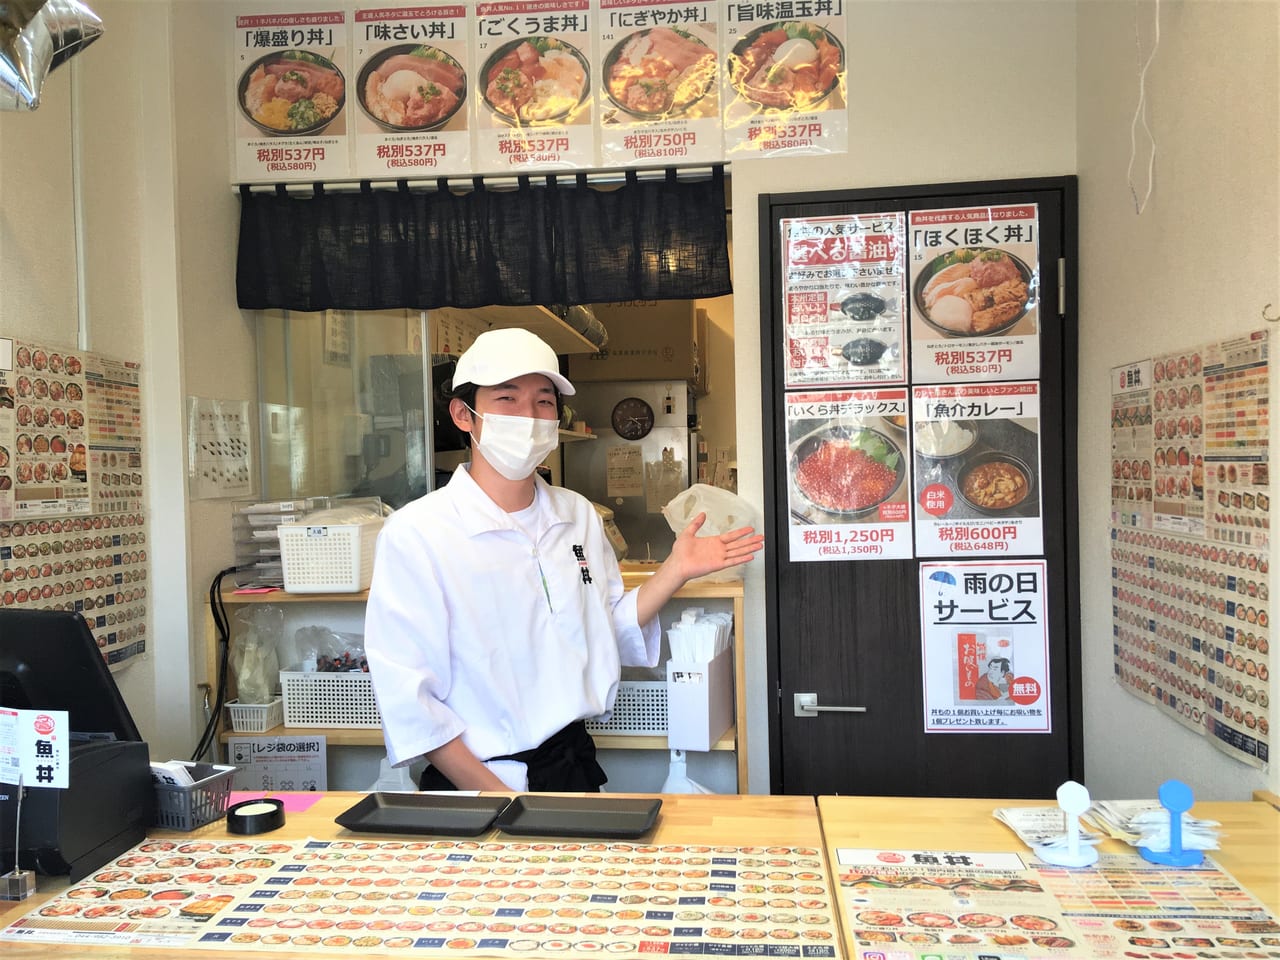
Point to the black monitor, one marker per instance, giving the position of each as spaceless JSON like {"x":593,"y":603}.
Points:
{"x":50,"y":661}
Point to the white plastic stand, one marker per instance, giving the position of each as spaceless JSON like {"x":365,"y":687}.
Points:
{"x":1073,"y":798}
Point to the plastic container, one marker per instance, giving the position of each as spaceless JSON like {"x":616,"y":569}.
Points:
{"x":640,"y":710}
{"x":328,"y":558}
{"x":314,"y":699}
{"x":256,"y":717}
{"x":191,"y":807}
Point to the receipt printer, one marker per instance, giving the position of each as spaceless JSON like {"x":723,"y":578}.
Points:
{"x":106,"y":810}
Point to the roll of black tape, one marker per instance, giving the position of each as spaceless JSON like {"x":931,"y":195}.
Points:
{"x":255,"y":816}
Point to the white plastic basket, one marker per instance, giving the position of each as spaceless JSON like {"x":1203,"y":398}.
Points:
{"x":328,"y":700}
{"x":255,"y":717}
{"x":639,"y":711}
{"x":328,"y":558}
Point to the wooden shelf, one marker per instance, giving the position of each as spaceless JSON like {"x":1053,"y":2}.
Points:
{"x":569,"y":436}
{"x":561,"y":337}
{"x":372,"y":737}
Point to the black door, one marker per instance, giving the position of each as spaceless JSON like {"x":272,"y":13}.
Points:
{"x":850,"y":631}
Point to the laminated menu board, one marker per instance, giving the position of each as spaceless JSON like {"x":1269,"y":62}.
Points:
{"x":784,"y":80}
{"x":1132,"y":472}
{"x":977,"y":469}
{"x":975,"y":293}
{"x":532,"y":103}
{"x":844,"y":299}
{"x":412,"y":67}
{"x":659,"y":83}
{"x":291,"y":91}
{"x":849,"y":485}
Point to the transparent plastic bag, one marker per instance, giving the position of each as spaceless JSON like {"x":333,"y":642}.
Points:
{"x":254,"y":660}
{"x":725,"y":511}
{"x":328,"y":651}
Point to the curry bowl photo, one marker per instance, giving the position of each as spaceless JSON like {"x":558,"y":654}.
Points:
{"x":995,"y":483}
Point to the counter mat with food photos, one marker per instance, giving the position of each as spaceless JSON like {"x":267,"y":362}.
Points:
{"x":1010,"y":905}
{"x":450,"y":897}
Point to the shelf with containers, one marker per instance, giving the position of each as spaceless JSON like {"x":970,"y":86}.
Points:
{"x":729,"y":594}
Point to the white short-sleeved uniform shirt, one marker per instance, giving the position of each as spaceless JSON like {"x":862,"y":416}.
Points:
{"x":498,"y":629}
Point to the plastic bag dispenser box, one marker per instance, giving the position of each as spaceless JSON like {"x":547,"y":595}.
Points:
{"x":105,"y":810}
{"x":699,"y":701}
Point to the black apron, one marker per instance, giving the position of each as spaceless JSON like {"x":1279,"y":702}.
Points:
{"x":565,"y":763}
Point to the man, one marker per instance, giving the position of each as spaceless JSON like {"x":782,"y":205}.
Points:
{"x":497,"y":620}
{"x":998,"y":672}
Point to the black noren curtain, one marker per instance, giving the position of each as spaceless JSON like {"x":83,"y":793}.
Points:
{"x":558,"y":242}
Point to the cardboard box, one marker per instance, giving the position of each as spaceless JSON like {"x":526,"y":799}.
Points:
{"x":648,"y":340}
{"x":699,"y":702}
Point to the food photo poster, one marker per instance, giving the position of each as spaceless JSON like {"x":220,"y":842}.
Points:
{"x":975,"y":293}
{"x":448,"y":89}
{"x":844,"y":299}
{"x":849,"y":484}
{"x":985,"y":647}
{"x":977,"y":469}
{"x":1190,"y":537}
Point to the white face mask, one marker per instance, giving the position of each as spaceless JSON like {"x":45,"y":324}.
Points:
{"x":515,"y":445}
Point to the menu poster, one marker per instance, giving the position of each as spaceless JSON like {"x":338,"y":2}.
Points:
{"x":115,"y":434}
{"x":291,"y":97}
{"x":659,"y":83}
{"x":1236,"y":411}
{"x":975,"y":293}
{"x":784,"y":80}
{"x":844,"y":299}
{"x":43,"y":433}
{"x":985,"y":645}
{"x":532,"y":93}
{"x":977,"y":467}
{"x":1132,"y":483}
{"x":412,"y":66}
{"x":848,"y":486}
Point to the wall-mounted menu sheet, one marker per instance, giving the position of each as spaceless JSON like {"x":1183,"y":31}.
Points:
{"x":849,"y":488}
{"x":784,"y":80}
{"x":844,"y":299}
{"x":659,"y":83}
{"x":412,"y":68}
{"x":977,"y":469}
{"x":1191,"y":617}
{"x":292,"y":96}
{"x":533,"y":107}
{"x":975,"y":294}
{"x":985,"y":647}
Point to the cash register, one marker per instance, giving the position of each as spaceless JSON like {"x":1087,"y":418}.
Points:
{"x":49,"y":660}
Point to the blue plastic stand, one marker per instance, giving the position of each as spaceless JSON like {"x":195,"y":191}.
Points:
{"x":1175,"y":796}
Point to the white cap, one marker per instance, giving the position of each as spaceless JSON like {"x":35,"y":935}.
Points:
{"x":499,"y":356}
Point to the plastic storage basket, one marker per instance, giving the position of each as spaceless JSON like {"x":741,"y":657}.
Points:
{"x":328,"y":557}
{"x":255,"y":717}
{"x":640,"y":710}
{"x":189,"y":807}
{"x":328,"y":699}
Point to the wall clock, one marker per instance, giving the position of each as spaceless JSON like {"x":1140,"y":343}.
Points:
{"x":632,"y":418}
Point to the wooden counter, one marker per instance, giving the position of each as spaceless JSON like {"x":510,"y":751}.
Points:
{"x":1250,"y":834}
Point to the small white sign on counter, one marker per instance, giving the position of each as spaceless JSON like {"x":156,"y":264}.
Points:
{"x":35,"y":748}
{"x":279,"y":763}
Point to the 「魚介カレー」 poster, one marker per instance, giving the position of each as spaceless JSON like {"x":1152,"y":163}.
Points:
{"x":411,"y":72}
{"x":977,"y":469}
{"x":844,"y":299}
{"x":291,"y":93}
{"x":1132,"y":483}
{"x":660,"y":82}
{"x":985,"y":647}
{"x":849,"y":487}
{"x":975,"y":294}
{"x":784,"y":80}
{"x":532,"y":91}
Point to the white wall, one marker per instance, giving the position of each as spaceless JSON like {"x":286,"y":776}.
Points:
{"x":941,"y":92}
{"x":1198,"y":264}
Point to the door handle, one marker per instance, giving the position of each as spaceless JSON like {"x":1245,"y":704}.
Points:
{"x":807,"y":706}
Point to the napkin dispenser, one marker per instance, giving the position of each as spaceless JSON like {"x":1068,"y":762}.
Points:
{"x":105,"y":810}
{"x":699,"y":701}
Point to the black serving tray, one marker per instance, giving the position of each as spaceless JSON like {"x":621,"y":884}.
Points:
{"x":555,"y":816}
{"x":456,"y":816}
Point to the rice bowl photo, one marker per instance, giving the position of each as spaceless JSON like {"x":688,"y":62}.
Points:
{"x":659,"y":72}
{"x":291,"y":93}
{"x":790,"y":65}
{"x":411,"y":86}
{"x":535,"y":79}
